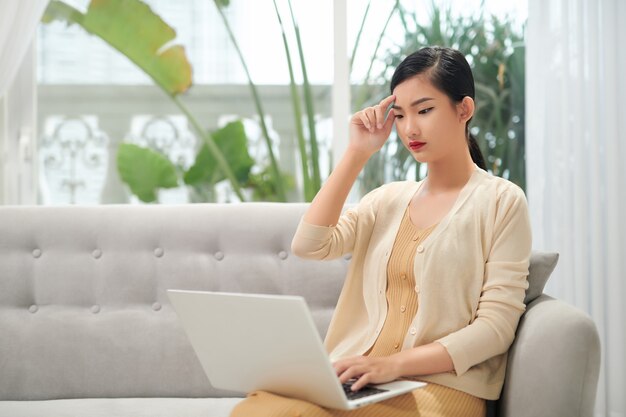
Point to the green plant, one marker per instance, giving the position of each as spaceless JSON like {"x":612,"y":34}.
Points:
{"x":143,"y":37}
{"x":309,"y":151}
{"x":146,"y":170}
{"x":274,"y":171}
{"x":263,"y":185}
{"x":362,"y":92}
{"x":311,"y":177}
{"x":117,"y":21}
{"x":496,"y":53}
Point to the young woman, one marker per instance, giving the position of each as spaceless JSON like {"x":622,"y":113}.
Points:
{"x":439,"y":267}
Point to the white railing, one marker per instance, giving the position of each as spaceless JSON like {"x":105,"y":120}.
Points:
{"x":81,"y":128}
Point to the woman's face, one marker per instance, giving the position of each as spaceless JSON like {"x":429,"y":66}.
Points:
{"x":429,"y":124}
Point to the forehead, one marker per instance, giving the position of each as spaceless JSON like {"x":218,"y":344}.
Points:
{"x":413,"y":89}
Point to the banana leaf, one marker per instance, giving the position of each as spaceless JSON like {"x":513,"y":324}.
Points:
{"x":131,"y":27}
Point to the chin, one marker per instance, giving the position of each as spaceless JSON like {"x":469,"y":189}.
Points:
{"x":422,"y":159}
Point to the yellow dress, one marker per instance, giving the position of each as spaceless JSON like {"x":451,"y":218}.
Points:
{"x":431,"y":401}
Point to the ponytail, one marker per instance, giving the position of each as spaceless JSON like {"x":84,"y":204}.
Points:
{"x":476,"y":153}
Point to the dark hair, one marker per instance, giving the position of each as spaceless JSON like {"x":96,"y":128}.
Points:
{"x":448,"y":70}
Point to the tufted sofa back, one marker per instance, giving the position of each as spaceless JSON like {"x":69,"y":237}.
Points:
{"x":83,"y":307}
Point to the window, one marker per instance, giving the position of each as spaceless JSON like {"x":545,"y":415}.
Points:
{"x":92,"y":99}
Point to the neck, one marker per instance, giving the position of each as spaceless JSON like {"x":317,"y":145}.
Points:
{"x":450,"y":173}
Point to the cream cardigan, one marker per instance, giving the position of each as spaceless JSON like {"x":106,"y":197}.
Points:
{"x":470,"y":273}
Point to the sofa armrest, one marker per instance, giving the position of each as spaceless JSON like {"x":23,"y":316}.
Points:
{"x":554,"y":363}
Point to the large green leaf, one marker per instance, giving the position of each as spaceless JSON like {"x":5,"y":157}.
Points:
{"x":131,"y":27}
{"x":145,"y":171}
{"x":57,"y":10}
{"x":233,"y":142}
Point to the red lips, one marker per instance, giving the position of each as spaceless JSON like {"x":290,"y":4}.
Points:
{"x":416,"y":145}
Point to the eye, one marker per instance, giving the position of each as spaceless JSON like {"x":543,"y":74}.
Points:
{"x":426,"y":110}
{"x":399,"y":116}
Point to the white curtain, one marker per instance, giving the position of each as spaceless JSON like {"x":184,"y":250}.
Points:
{"x":576,"y":159}
{"x":18,"y":24}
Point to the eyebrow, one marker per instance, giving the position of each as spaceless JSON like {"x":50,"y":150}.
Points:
{"x":415,"y":103}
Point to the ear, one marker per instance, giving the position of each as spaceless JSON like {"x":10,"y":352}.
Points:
{"x":465,"y":109}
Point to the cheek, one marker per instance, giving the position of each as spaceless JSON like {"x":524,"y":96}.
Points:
{"x":399,"y":131}
{"x":398,"y":126}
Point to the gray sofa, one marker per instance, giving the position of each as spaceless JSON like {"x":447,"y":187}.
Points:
{"x":86,"y":328}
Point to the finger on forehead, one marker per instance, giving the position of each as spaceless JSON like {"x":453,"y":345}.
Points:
{"x":387,"y":101}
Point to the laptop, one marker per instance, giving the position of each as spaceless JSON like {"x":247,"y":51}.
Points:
{"x":248,"y":342}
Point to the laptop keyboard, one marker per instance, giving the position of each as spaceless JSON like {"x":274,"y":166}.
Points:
{"x":366,"y":391}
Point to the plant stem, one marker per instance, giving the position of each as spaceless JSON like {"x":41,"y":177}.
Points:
{"x":310,"y":112}
{"x":363,"y":90}
{"x":219,"y":157}
{"x":402,"y":14}
{"x":280,"y":188}
{"x":358,"y":36}
{"x":295,"y":98}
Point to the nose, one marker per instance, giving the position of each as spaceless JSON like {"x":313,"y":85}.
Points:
{"x":411,"y":128}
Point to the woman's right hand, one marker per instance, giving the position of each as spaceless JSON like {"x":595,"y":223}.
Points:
{"x":369,"y":130}
{"x":366,"y":138}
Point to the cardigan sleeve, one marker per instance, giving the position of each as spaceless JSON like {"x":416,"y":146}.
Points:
{"x":501,"y":302}
{"x":329,"y":242}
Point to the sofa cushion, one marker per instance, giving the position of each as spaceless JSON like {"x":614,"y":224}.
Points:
{"x":121,"y":407}
{"x":541,"y":266}
{"x":84,"y":311}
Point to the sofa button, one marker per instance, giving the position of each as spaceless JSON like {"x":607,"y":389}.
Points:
{"x":36,"y":253}
{"x":219,"y":255}
{"x":413,"y":331}
{"x":95,"y":309}
{"x":158,"y":252}
{"x":348,"y":257}
{"x":420,"y":249}
{"x":402,"y":309}
{"x":417,"y":289}
{"x":282,"y":255}
{"x":33,"y":309}
{"x":156,"y":306}
{"x":96,"y":254}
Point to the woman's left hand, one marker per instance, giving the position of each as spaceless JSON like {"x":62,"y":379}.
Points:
{"x":367,"y":370}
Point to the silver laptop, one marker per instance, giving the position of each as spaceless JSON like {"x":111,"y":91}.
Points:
{"x":248,"y":342}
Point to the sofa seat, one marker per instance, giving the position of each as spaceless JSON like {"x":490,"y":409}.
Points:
{"x":121,"y":407}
